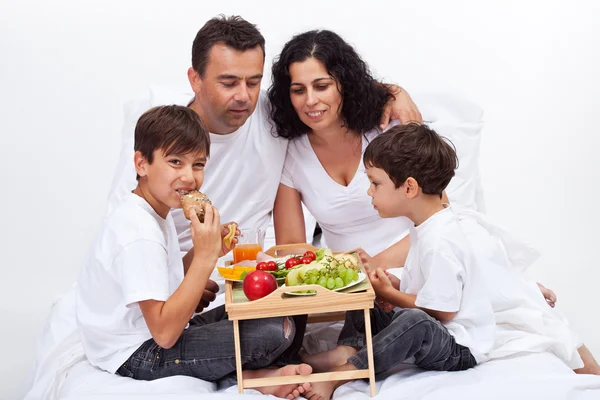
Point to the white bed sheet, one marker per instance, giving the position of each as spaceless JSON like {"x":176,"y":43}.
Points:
{"x":533,"y":376}
{"x":62,"y":372}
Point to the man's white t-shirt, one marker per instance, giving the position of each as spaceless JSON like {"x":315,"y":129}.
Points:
{"x":344,"y":213}
{"x":443,"y":272}
{"x":135,"y":257}
{"x":241,"y":176}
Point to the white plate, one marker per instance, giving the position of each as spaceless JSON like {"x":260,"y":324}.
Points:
{"x":361,"y":277}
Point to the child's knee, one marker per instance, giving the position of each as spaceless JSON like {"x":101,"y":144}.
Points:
{"x":411,"y":317}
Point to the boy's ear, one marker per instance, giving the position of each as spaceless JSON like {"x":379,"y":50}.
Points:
{"x":411,"y":188}
{"x":195,"y":79}
{"x":141,"y":164}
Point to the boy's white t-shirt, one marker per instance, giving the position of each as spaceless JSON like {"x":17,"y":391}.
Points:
{"x":443,"y":272}
{"x":241,"y":177}
{"x":344,"y":213}
{"x":135,"y":257}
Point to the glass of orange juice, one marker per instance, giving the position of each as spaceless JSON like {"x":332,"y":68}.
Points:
{"x":250,"y":242}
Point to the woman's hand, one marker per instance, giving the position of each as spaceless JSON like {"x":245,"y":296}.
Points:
{"x":402,"y":108}
{"x":548,"y":294}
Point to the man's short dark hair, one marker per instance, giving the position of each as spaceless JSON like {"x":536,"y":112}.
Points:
{"x":415,"y":151}
{"x":172,"y":129}
{"x":233,"y":31}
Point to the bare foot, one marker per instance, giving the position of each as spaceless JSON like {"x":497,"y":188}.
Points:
{"x":321,"y":391}
{"x":328,"y":360}
{"x":590,"y":365}
{"x":290,"y":391}
{"x":589,"y":370}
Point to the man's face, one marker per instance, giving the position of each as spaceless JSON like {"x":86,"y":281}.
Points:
{"x":388,"y":200}
{"x":228,"y":92}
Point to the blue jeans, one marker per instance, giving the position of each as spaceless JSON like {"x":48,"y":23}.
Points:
{"x":400,"y":335}
{"x":205,"y":349}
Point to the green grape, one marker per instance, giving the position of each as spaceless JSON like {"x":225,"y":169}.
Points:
{"x":339,"y":283}
{"x":323,"y":281}
{"x":330,"y":283}
{"x":348,"y":279}
{"x":342,"y":272}
{"x":313,"y":279}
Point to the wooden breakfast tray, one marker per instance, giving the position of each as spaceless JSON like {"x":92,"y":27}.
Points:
{"x":279,"y":304}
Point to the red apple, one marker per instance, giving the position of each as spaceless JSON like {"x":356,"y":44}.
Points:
{"x":258,"y":284}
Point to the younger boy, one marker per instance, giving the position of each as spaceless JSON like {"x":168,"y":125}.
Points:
{"x":136,"y":295}
{"x":445,"y":321}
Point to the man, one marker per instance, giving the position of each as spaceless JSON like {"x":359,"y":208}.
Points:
{"x":243,"y":173}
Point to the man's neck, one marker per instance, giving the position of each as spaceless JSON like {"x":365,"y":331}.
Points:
{"x":210,"y":125}
{"x":426,"y":207}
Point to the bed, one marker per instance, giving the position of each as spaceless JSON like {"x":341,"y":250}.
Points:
{"x":62,"y":372}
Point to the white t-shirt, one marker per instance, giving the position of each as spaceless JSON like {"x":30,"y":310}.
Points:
{"x":134,"y":258}
{"x":443,"y":271}
{"x":241,"y":177}
{"x":344,"y":213}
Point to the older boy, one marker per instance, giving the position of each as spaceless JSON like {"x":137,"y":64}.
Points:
{"x":135,"y":296}
{"x":445,"y":321}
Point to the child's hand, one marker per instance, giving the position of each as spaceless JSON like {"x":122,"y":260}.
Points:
{"x":366,"y":260}
{"x":226,"y":234}
{"x":206,"y":235}
{"x":393,"y":279}
{"x":384,"y":304}
{"x":381,"y":283}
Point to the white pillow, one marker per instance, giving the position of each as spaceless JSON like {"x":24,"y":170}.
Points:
{"x":453,"y":116}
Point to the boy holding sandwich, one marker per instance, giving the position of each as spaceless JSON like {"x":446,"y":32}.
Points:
{"x":136,"y":296}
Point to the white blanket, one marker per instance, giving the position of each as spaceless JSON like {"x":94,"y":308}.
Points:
{"x":62,"y":372}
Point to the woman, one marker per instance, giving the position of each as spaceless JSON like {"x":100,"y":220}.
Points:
{"x":326,"y":102}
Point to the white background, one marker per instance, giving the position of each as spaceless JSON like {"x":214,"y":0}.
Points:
{"x":67,"y":66}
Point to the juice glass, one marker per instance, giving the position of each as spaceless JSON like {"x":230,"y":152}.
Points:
{"x":249,"y":244}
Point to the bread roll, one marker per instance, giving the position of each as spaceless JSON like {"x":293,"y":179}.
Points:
{"x":193,"y":201}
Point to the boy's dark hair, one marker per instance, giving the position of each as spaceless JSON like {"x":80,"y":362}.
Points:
{"x":415,"y":151}
{"x":233,"y":31}
{"x":173,"y":129}
{"x":363,"y":97}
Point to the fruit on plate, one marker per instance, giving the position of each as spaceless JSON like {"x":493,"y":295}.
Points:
{"x":235,"y":273}
{"x":258,"y":284}
{"x":331,"y":271}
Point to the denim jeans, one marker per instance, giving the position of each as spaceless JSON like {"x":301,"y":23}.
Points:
{"x":400,"y":335}
{"x":205,"y":349}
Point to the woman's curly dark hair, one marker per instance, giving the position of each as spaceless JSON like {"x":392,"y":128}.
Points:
{"x":363,"y":97}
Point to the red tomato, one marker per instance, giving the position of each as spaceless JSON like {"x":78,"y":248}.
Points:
{"x":261,"y":266}
{"x":311,"y":255}
{"x":291,"y":263}
{"x":306,"y":260}
{"x":258,"y":284}
{"x":271,"y":266}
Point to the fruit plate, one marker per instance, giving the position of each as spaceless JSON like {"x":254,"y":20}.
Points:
{"x":361,"y":277}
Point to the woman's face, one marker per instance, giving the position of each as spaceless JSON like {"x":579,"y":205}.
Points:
{"x":314,"y":95}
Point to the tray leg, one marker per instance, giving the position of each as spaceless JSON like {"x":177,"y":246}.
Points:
{"x":238,"y":355}
{"x":370,"y":352}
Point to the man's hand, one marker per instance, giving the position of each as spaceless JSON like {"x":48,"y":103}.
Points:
{"x":225,"y":232}
{"x":402,"y":108}
{"x":548,"y":294}
{"x":209,"y":295}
